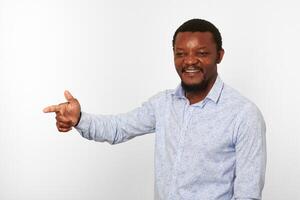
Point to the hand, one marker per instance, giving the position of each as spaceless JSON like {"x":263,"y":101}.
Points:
{"x":67,"y":114}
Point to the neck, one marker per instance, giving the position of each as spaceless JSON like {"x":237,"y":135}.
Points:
{"x":197,"y":96}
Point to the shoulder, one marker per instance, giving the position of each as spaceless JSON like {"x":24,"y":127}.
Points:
{"x":160,"y":99}
{"x":246,"y":110}
{"x":248,"y":121}
{"x":162,"y":95}
{"x":234,"y":98}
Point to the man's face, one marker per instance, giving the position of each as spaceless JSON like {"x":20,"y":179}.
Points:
{"x":196,"y":58}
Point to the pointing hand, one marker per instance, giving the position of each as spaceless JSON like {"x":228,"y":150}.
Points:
{"x":67,"y":114}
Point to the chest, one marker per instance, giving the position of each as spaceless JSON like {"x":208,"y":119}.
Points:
{"x":203,"y":130}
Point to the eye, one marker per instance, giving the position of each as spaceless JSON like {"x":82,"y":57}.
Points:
{"x":179,"y":54}
{"x":202,"y":53}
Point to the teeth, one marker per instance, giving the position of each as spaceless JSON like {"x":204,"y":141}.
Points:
{"x":192,"y":70}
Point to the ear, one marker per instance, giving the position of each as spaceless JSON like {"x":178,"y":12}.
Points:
{"x":220,"y":55}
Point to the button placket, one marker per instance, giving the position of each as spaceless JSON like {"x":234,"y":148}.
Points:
{"x":186,"y":119}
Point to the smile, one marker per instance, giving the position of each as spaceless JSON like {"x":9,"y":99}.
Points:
{"x":191,"y":70}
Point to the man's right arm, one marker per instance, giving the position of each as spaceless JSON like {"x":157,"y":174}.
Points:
{"x":118,"y":128}
{"x":110,"y":128}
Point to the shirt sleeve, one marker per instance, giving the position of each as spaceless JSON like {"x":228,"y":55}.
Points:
{"x":118,"y":128}
{"x":250,"y":145}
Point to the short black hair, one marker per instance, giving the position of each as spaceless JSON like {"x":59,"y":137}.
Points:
{"x":200,"y":25}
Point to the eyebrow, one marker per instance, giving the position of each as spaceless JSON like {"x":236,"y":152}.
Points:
{"x":203,"y":47}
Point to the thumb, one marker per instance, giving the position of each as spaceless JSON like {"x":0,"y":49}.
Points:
{"x":68,"y":96}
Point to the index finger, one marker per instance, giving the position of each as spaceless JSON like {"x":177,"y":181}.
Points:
{"x":53,"y":108}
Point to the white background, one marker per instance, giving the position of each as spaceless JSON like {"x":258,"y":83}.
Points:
{"x":113,"y":55}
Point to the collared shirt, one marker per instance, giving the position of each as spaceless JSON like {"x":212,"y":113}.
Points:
{"x":211,"y":150}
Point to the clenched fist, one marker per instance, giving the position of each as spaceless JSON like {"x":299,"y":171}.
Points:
{"x":67,"y":114}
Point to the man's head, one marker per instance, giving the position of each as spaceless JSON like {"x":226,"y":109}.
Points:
{"x":197,"y":46}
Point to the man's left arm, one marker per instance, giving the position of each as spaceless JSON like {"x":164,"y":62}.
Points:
{"x":250,"y":145}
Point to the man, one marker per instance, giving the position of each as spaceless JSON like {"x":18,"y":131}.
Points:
{"x":210,"y":140}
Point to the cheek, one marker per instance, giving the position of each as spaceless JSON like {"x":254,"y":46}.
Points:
{"x":177,"y":60}
{"x":209,"y":62}
{"x":178,"y":63}
{"x":178,"y":70}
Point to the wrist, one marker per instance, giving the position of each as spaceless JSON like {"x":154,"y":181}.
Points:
{"x":78,"y":120}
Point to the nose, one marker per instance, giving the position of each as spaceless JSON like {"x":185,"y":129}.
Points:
{"x":190,"y":60}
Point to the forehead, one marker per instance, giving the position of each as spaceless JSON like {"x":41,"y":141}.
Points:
{"x":198,"y":38}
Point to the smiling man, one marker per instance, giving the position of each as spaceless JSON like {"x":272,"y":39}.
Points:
{"x":196,"y":56}
{"x":209,"y":140}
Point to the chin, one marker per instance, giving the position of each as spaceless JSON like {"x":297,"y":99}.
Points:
{"x":194,"y":87}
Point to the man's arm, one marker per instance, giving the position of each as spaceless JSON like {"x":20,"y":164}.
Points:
{"x":250,"y":144}
{"x":110,"y":128}
{"x":118,"y":128}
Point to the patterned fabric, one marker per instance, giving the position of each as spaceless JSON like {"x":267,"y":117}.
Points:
{"x":212,"y":150}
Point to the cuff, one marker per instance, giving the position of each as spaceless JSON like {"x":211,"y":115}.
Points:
{"x":84,"y":122}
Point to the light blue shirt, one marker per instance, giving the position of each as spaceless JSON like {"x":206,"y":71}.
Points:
{"x":212,"y":150}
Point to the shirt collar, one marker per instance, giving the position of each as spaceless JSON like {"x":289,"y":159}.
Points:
{"x":214,"y":93}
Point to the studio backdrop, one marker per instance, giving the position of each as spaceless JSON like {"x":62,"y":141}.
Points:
{"x":113,"y":56}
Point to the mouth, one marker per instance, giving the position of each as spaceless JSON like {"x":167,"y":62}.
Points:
{"x":192,"y":70}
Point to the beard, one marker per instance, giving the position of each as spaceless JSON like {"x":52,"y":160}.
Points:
{"x":195,"y":87}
